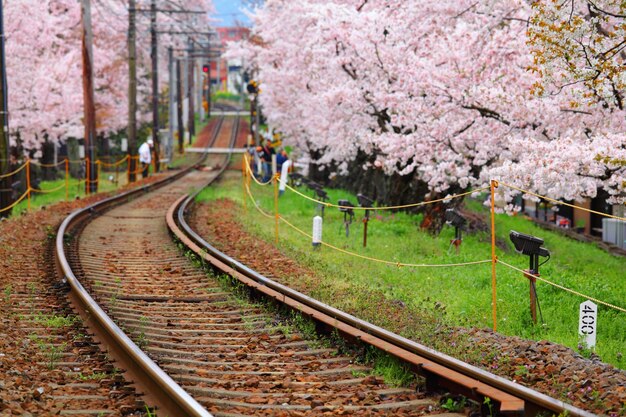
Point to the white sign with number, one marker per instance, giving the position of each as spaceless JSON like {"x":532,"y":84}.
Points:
{"x":587,"y":323}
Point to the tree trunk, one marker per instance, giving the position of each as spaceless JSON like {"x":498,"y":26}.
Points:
{"x":47,"y":158}
{"x":435,"y":213}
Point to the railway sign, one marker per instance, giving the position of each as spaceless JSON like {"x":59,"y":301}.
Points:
{"x":587,"y":323}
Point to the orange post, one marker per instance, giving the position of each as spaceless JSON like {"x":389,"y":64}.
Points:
{"x":244,"y":180}
{"x":494,"y":259}
{"x":117,"y":174}
{"x":276,"y":215}
{"x":128,"y":164}
{"x":87,"y":176}
{"x":67,"y":179}
{"x":99,"y":166}
{"x":28,"y":181}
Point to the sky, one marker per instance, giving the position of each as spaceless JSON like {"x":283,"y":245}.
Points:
{"x":228,"y":11}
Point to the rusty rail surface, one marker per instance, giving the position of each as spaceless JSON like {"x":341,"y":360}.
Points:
{"x":166,"y":392}
{"x":440,"y":370}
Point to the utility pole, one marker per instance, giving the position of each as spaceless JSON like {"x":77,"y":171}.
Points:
{"x":132,"y":92}
{"x":208,"y":92}
{"x":190,"y":95}
{"x":199,"y":89}
{"x":172,"y":109}
{"x":179,"y":106}
{"x":5,"y":183}
{"x":155,"y":83}
{"x":91,"y":186}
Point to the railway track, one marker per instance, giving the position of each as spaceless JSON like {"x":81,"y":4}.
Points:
{"x":199,"y":350}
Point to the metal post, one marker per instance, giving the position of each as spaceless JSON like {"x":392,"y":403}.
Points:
{"x":5,"y":166}
{"x":179,"y":105}
{"x":88,"y":97}
{"x":208,"y":92}
{"x":190,"y":94}
{"x":199,"y":87}
{"x":184,"y":72}
{"x":155,"y":82}
{"x":172,"y":101}
{"x":132,"y":92}
{"x":244,"y":176}
{"x":533,"y":295}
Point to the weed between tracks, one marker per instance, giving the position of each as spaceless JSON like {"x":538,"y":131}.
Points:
{"x":56,"y":321}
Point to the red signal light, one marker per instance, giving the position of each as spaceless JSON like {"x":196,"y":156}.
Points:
{"x":205,"y":68}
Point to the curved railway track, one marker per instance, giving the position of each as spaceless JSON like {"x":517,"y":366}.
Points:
{"x":195,"y":349}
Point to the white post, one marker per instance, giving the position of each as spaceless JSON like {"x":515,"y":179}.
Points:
{"x":259,"y":164}
{"x":587,"y":323}
{"x":284,"y":174}
{"x":317,"y":231}
{"x":274,"y":169}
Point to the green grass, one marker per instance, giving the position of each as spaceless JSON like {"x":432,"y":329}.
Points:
{"x":459,"y":295}
{"x":225,"y":95}
{"x":76,"y":189}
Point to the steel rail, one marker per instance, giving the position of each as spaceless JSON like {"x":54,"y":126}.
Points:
{"x":159,"y":387}
{"x":447,"y":370}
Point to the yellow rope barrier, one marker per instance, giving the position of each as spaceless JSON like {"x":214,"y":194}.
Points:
{"x":251,"y":174}
{"x":398,"y":264}
{"x":48,"y":165}
{"x":14,"y":172}
{"x":78,"y":182}
{"x":48,"y":191}
{"x":595,"y":300}
{"x":256,"y":205}
{"x":121,"y":161}
{"x":423,"y":203}
{"x":561,"y":202}
{"x":15,"y":203}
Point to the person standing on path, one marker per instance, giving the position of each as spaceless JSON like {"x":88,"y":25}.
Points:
{"x":145,"y":157}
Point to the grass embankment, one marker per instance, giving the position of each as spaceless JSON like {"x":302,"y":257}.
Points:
{"x":75,"y":190}
{"x":110,"y":181}
{"x":457,"y":295}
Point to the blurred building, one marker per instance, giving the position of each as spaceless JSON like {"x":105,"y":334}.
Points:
{"x":227,"y":75}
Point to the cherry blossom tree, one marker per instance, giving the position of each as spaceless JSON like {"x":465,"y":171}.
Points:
{"x":580,"y":44}
{"x":440,"y":95}
{"x":44,"y":64}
